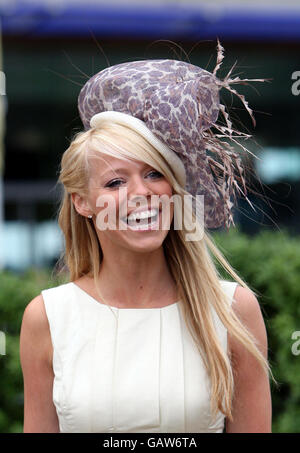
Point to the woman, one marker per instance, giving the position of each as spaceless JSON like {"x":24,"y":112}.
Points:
{"x":145,"y":337}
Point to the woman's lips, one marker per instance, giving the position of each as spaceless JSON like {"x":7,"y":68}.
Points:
{"x":147,"y":224}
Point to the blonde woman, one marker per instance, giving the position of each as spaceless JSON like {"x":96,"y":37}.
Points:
{"x":145,"y":337}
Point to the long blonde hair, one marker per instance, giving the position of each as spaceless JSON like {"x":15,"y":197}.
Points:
{"x":191,"y":262}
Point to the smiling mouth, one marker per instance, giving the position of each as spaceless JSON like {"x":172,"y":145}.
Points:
{"x":142,"y":220}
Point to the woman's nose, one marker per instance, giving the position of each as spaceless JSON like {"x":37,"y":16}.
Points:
{"x":138,"y":186}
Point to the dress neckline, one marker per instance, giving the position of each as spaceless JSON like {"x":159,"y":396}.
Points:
{"x":122,"y":308}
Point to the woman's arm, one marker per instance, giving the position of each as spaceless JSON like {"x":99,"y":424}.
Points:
{"x":36,"y":361}
{"x":252,"y":407}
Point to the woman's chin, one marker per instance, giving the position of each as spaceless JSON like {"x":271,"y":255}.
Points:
{"x":140,"y":241}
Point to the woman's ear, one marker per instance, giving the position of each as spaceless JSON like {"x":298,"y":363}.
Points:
{"x":81,"y":205}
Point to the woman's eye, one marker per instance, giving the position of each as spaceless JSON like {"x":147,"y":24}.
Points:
{"x":117,"y":182}
{"x":155,"y":174}
{"x":113,"y":183}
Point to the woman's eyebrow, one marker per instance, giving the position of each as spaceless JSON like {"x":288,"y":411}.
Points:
{"x":114,"y":171}
{"x":118,"y":169}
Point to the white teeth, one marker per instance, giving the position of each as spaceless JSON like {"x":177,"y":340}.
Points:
{"x":142,"y":215}
{"x":143,"y":227}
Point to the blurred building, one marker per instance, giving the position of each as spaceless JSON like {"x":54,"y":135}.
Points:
{"x":50,"y":48}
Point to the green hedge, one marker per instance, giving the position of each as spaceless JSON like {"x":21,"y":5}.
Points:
{"x":270,"y":265}
{"x":15,"y":293}
{"x":268,"y":262}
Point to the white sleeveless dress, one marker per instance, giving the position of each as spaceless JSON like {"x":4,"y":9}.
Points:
{"x":127,"y":370}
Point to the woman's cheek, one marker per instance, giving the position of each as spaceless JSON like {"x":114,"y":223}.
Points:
{"x":106,"y":212}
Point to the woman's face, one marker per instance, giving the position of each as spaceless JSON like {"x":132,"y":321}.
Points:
{"x":130,"y":186}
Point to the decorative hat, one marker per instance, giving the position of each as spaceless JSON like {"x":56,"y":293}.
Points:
{"x":175,"y":105}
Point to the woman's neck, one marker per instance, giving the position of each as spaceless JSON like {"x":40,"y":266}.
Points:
{"x":139,"y":279}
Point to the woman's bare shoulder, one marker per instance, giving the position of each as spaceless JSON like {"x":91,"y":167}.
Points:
{"x":245,"y":304}
{"x":35,"y":331}
{"x":35,"y":314}
{"x":247,"y":309}
{"x":36,"y":361}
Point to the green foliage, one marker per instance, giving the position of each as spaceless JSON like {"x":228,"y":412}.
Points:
{"x":15,"y":293}
{"x":268,"y":262}
{"x":270,"y":265}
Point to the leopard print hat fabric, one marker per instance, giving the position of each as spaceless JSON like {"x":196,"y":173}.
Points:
{"x":180,"y":104}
